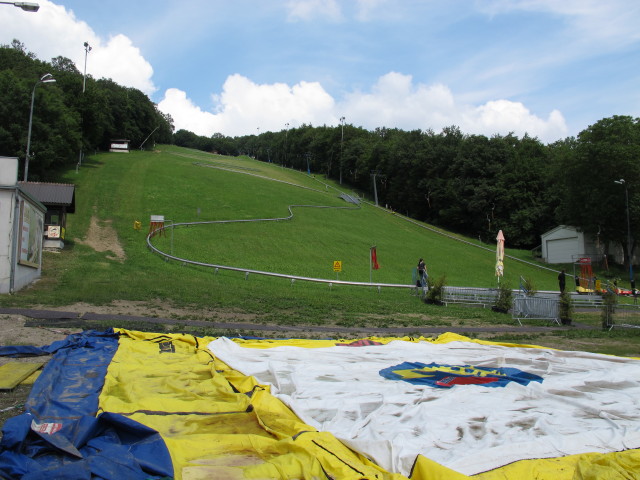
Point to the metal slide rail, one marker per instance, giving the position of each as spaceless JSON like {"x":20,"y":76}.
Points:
{"x":248,"y":271}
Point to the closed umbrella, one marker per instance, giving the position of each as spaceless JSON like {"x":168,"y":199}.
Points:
{"x":500,"y":255}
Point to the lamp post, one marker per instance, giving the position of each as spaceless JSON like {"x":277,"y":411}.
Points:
{"x":26,"y":6}
{"x":87,"y":49}
{"x":341,"y":142}
{"x":626,"y":195}
{"x":286,"y":135}
{"x":46,"y":78}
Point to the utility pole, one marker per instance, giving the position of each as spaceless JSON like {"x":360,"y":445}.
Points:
{"x":341,"y":142}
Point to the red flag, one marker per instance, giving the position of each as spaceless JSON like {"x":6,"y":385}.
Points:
{"x":374,"y":259}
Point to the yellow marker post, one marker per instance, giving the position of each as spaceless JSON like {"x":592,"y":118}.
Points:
{"x":337,"y":267}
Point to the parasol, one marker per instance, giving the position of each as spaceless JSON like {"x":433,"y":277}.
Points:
{"x":500,"y":255}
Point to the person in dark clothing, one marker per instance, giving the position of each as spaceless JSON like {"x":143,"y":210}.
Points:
{"x":562,"y":280}
{"x":422,"y":273}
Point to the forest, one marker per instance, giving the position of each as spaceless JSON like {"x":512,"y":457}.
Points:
{"x":471,"y":184}
{"x":67,"y":120}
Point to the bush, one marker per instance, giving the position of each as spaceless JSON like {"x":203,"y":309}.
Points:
{"x":436,"y":289}
{"x":566,"y":308}
{"x":529,"y":287}
{"x":504,"y":300}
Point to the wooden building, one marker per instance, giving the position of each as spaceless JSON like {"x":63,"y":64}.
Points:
{"x":60,"y":200}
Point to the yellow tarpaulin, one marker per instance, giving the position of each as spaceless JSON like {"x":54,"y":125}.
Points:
{"x":13,"y":373}
{"x":219,"y":423}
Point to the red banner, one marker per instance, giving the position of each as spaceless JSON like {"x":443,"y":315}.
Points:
{"x":374,"y":259}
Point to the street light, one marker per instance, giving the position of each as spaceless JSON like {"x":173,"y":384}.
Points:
{"x":46,"y":78}
{"x":26,"y":6}
{"x":286,"y":134}
{"x":626,"y":194}
{"x":87,"y":49}
{"x":341,"y":142}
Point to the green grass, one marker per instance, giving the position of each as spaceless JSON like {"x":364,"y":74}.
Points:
{"x":119,"y":189}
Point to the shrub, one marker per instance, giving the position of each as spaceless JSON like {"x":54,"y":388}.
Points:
{"x":610,"y":301}
{"x":436,"y":289}
{"x":504,"y":300}
{"x":529,"y":287}
{"x":566,"y":308}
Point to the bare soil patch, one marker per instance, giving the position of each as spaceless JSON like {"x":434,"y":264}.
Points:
{"x":102,"y":237}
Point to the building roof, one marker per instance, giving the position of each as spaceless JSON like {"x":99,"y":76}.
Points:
{"x":52,"y":194}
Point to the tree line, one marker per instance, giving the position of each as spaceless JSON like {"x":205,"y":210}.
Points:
{"x":66,"y":120}
{"x":471,"y":184}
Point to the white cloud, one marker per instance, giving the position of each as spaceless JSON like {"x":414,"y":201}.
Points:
{"x":394,"y":101}
{"x":244,"y":106}
{"x":602,"y":24}
{"x":309,"y":9}
{"x":55,"y":31}
{"x":119,"y":60}
{"x":188,"y":116}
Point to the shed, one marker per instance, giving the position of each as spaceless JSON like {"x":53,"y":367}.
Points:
{"x":60,"y":199}
{"x":119,"y":146}
{"x":565,"y":243}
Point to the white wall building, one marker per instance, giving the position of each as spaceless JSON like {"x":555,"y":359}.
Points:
{"x":21,"y":231}
{"x":566,"y":244}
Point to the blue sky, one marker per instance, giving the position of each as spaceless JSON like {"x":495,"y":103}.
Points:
{"x":548,"y":68}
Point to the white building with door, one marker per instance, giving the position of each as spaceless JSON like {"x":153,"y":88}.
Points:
{"x":21,"y":231}
{"x":566,"y":244}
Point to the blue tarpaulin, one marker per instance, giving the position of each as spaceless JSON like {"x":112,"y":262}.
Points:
{"x":59,"y":435}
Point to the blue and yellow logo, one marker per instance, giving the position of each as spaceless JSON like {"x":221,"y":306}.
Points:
{"x":447,"y":376}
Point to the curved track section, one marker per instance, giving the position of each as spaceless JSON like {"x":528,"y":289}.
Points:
{"x":248,"y":271}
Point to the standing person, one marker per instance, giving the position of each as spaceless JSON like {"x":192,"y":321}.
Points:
{"x":422,"y":272}
{"x":561,"y":281}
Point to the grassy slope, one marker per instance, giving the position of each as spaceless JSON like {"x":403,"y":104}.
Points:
{"x":120,"y":189}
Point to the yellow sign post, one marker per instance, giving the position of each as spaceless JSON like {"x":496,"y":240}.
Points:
{"x":337,"y":267}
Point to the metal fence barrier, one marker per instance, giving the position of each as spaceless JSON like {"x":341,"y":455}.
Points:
{"x":621,"y":315}
{"x":536,"y":308}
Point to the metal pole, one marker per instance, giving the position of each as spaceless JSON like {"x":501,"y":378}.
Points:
{"x":375,"y":188}
{"x":46,"y":78}
{"x":626,"y":197}
{"x":87,"y":49}
{"x":286,"y":135}
{"x":341,"y":142}
{"x":626,"y":193}
{"x":26,"y":160}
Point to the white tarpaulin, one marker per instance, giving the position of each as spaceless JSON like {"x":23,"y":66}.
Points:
{"x":469,"y":406}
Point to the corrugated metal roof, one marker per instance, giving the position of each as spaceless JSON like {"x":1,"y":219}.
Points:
{"x":58,"y":194}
